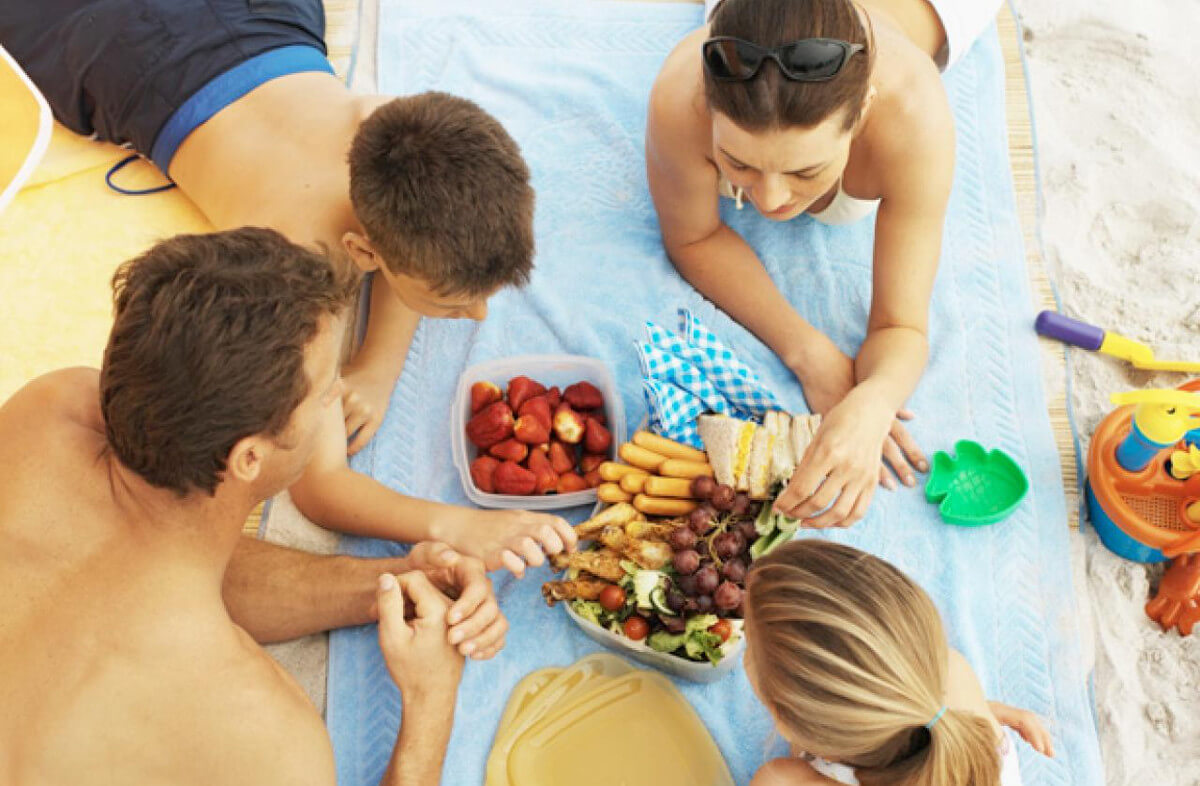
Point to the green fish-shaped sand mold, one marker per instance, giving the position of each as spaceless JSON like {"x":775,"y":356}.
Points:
{"x":975,"y":486}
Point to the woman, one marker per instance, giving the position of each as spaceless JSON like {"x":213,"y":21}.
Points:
{"x":837,"y":109}
{"x":850,"y":658}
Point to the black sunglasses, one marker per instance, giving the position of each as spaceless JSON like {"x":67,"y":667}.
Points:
{"x":809,"y":60}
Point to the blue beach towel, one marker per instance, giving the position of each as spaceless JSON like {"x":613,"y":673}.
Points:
{"x":570,"y":82}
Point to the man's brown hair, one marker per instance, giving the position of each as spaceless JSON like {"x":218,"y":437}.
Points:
{"x":207,"y":347}
{"x":769,"y":100}
{"x":443,"y":194}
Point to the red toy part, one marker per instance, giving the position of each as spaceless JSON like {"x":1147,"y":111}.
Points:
{"x":1177,"y":604}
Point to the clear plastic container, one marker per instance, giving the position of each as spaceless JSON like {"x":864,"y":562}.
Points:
{"x":550,"y":370}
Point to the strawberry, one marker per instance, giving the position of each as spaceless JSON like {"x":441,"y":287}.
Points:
{"x":554,"y":396}
{"x":531,"y":430}
{"x":539,"y":407}
{"x":511,"y":478}
{"x":571,"y":482}
{"x":484,"y":393}
{"x":562,"y":458}
{"x":584,"y":395}
{"x":491,"y":425}
{"x":597,"y":439}
{"x":568,"y":425}
{"x":483,"y":470}
{"x":547,"y":478}
{"x":593,"y":478}
{"x":509,"y":450}
{"x":521,"y":389}
{"x":591,"y":461}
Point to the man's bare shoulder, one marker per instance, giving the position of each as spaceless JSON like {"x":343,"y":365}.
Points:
{"x":69,"y":396}
{"x":51,"y":427}
{"x":252,"y":724}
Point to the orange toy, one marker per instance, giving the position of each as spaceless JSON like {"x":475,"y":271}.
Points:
{"x":1144,"y":513}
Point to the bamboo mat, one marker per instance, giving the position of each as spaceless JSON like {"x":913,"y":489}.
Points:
{"x":1023,"y":161}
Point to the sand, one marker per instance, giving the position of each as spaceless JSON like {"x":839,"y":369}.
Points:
{"x":1117,"y":121}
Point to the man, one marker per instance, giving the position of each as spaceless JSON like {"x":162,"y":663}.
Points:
{"x":235,"y":101}
{"x":123,"y":496}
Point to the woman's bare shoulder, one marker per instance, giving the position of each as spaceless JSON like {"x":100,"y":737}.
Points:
{"x":788,"y":772}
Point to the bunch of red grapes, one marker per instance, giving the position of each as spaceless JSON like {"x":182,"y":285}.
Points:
{"x":712,"y":552}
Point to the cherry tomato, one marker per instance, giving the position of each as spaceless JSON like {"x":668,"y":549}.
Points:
{"x":612,"y":598}
{"x":636,"y":628}
{"x":722,"y":628}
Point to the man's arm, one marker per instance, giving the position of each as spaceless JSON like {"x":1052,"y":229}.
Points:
{"x":277,"y":593}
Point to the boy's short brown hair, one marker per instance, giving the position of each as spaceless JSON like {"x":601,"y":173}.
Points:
{"x":443,"y":194}
{"x":207,"y":347}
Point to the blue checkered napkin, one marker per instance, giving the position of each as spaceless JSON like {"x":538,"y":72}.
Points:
{"x":673,"y":412}
{"x":664,"y":366}
{"x":730,"y":376}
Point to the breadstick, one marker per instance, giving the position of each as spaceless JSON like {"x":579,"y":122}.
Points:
{"x":633,"y":482}
{"x":667,"y":487}
{"x":613,"y":472}
{"x":667,"y":447}
{"x":641,"y":457}
{"x":678,"y":468}
{"x":659,"y":506}
{"x":611,"y":492}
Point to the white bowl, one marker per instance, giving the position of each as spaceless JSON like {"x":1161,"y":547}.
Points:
{"x":550,"y":370}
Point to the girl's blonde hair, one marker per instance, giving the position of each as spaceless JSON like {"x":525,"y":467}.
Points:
{"x":851,"y":659}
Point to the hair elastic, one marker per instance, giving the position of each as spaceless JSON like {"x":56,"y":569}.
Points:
{"x":936,"y":718}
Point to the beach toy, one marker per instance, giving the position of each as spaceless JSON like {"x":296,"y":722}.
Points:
{"x":1080,"y":334}
{"x":975,"y":486}
{"x":1139,"y":509}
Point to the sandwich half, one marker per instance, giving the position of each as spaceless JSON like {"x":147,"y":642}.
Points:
{"x":727,"y":441}
{"x":804,"y":428}
{"x":783,"y":459}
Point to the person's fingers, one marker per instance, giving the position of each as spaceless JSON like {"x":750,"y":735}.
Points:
{"x":483,"y":616}
{"x":912,"y":451}
{"x":566,"y":532}
{"x":886,"y":478}
{"x":861,"y":506}
{"x":427,"y":601}
{"x":475,"y":591}
{"x":362,"y":435}
{"x":826,"y":495}
{"x":905,"y":414}
{"x":805,"y":481}
{"x":492,"y":651}
{"x":549,"y":538}
{"x":529,"y":548}
{"x":509,"y":560}
{"x":493,"y":634}
{"x":838,"y":513}
{"x":899,"y":464}
{"x":389,"y":602}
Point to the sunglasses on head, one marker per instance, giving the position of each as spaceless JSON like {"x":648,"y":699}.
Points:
{"x":731,"y":59}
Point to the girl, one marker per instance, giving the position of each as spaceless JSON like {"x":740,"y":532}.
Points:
{"x":834,"y":108}
{"x":849,"y":657}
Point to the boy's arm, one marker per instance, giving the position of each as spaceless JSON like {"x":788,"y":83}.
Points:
{"x":371,"y":374}
{"x":336,"y":497}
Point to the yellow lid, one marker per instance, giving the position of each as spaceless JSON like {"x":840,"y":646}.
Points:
{"x":600,"y":666}
{"x":1163,"y":415}
{"x":523,"y":694}
{"x":637,"y":729}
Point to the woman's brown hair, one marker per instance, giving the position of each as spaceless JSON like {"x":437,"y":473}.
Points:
{"x":850,"y":657}
{"x":769,"y":100}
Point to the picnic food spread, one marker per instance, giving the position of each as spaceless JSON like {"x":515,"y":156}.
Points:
{"x":669,"y":555}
